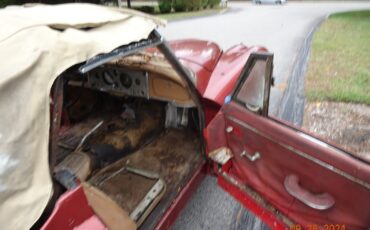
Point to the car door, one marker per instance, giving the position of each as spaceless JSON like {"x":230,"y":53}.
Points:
{"x":286,"y":176}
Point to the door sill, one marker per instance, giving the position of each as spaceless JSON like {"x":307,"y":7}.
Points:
{"x":253,"y":202}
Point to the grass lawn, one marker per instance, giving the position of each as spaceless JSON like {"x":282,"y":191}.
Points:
{"x":339,"y":66}
{"x":191,"y":14}
{"x":175,"y":15}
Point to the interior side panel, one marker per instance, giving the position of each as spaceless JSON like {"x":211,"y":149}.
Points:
{"x":284,"y":152}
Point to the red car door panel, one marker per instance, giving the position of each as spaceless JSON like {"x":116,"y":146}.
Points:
{"x":320,"y":169}
{"x":311,"y":182}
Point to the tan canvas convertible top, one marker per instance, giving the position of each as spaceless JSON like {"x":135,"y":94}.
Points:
{"x":37,"y":43}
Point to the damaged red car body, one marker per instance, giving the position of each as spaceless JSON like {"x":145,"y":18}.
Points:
{"x":283,"y":175}
{"x":133,"y":132}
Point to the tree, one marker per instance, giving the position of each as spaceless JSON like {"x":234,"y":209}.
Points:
{"x":119,"y":3}
{"x":4,"y":3}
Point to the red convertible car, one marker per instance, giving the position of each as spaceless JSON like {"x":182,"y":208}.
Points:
{"x":106,"y":125}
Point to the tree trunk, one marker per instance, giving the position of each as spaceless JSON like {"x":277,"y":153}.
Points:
{"x":128,"y":3}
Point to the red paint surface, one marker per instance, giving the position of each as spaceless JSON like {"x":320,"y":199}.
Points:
{"x":201,"y":75}
{"x":215,"y":135}
{"x":210,"y":110}
{"x":317,"y":136}
{"x":92,"y":223}
{"x":200,"y":56}
{"x":227,"y":72}
{"x":71,"y":211}
{"x":267,"y":174}
{"x":203,"y":53}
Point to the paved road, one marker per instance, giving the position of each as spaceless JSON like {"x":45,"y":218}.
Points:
{"x":283,"y":30}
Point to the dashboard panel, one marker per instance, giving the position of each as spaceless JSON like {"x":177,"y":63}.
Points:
{"x":118,"y":80}
{"x":163,"y":88}
{"x":139,"y":83}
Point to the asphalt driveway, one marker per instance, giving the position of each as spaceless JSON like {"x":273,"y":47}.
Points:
{"x":280,"y":28}
{"x":283,"y":29}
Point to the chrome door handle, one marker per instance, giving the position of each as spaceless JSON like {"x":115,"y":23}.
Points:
{"x":321,"y":201}
{"x":253,"y":157}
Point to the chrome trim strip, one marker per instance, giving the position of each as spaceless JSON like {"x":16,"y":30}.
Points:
{"x":126,"y":50}
{"x":145,"y":203}
{"x":304,"y":155}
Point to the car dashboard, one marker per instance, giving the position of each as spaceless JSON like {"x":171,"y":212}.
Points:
{"x":119,"y":80}
{"x":139,"y":82}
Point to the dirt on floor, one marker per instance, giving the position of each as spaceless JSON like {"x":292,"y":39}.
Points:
{"x":346,"y":124}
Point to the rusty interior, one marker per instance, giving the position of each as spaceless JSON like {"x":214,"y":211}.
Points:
{"x":159,"y":136}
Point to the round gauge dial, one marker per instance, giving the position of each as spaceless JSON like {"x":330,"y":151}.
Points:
{"x":125,"y":80}
{"x":108,"y":78}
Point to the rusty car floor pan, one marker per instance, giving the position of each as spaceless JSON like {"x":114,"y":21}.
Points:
{"x":173,"y":155}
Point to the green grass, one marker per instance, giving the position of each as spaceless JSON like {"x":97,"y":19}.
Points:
{"x":339,"y":67}
{"x":191,"y":14}
{"x":175,"y":15}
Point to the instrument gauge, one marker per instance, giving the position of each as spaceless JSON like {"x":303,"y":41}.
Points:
{"x":125,"y":80}
{"x":108,"y":79}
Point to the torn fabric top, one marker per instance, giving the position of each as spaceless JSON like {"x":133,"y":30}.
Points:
{"x":38,"y":43}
